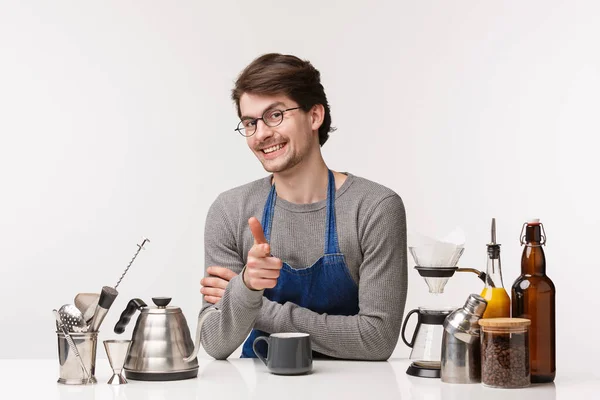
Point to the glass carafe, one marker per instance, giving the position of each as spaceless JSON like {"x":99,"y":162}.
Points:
{"x":426,"y":342}
{"x":498,"y":301}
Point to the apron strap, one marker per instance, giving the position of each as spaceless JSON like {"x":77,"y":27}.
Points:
{"x":268,"y":211}
{"x":331,"y":238}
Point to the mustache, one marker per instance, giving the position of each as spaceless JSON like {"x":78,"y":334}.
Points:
{"x":267,"y":144}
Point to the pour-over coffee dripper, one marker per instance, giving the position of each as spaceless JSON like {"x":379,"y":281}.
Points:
{"x":437,"y":265}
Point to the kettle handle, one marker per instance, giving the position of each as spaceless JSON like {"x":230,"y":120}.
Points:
{"x":197,"y":343}
{"x":412,"y":341}
{"x":132,"y":307}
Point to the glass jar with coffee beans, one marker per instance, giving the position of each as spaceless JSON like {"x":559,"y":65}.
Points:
{"x":505,"y":352}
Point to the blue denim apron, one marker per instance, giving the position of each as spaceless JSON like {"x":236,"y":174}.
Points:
{"x":324,"y":287}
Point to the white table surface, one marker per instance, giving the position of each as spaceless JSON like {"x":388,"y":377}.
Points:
{"x":248,"y":379}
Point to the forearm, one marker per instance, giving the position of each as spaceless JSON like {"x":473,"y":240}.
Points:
{"x":224,"y":332}
{"x":360,"y":337}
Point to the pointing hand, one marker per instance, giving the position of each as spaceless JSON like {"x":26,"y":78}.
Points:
{"x":262,"y":269}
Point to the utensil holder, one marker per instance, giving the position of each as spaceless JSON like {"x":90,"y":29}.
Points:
{"x":70,"y":372}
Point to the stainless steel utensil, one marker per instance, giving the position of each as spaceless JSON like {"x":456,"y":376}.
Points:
{"x":107,"y":297}
{"x":140,"y":247}
{"x":117,"y":350}
{"x":109,"y":294}
{"x":72,"y":318}
{"x":71,"y":343}
{"x":86,"y":303}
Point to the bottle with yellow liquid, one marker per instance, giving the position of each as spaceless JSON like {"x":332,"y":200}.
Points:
{"x":498,"y":301}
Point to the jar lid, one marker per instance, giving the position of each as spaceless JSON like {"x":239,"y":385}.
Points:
{"x":505,"y":322}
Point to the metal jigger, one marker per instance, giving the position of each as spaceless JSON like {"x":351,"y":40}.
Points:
{"x":117,"y":350}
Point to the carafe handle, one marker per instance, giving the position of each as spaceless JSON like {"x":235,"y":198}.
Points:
{"x":412,"y":341}
{"x":197,"y":343}
{"x":132,"y":307}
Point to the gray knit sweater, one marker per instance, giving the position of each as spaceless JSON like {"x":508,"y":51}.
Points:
{"x":371,"y":227}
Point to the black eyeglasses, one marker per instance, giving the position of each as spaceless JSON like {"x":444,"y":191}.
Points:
{"x":272,"y":118}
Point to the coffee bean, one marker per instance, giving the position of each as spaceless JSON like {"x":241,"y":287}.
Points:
{"x":505,"y":359}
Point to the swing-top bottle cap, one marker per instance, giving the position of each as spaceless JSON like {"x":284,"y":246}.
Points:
{"x":534,"y":231}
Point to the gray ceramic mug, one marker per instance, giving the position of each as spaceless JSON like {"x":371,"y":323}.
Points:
{"x":287,"y":354}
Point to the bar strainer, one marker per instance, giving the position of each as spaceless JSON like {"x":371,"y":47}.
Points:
{"x":72,"y":318}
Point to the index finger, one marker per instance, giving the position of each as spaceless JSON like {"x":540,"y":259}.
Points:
{"x":257,"y":231}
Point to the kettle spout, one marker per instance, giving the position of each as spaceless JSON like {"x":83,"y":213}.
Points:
{"x":197,"y":343}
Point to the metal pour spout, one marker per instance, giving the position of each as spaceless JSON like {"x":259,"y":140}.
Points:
{"x":480,"y":274}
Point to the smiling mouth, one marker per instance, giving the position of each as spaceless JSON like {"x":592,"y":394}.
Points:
{"x":272,"y":149}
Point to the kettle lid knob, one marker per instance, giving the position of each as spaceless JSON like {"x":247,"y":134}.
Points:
{"x":161,"y":302}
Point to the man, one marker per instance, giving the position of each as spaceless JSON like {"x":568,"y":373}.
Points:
{"x":304,"y":249}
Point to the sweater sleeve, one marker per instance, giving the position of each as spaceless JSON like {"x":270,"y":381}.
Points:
{"x":224,"y":332}
{"x":373,"y":333}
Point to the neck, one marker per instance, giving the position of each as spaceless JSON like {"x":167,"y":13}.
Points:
{"x":533,"y":260}
{"x":304,"y":183}
{"x":494,"y":268}
{"x":494,"y":272}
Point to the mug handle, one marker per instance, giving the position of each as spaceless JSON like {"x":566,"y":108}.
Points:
{"x":266,"y":339}
{"x":412,"y":341}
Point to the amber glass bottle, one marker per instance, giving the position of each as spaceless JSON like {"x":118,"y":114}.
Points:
{"x":533,"y":297}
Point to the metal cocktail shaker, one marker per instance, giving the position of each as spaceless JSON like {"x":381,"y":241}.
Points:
{"x":461,"y":346}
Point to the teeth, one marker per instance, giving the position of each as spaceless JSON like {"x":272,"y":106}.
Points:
{"x":272,"y":149}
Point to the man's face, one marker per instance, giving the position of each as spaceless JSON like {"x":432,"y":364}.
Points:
{"x":284,"y":146}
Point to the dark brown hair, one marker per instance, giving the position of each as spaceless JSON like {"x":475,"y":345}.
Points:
{"x":275,"y":74}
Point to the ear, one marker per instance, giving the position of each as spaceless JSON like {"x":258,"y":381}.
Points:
{"x":317,"y":115}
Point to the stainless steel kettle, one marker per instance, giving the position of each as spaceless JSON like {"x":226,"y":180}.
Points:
{"x":161,"y":343}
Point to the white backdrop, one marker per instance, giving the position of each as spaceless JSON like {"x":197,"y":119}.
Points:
{"x":116,"y":123}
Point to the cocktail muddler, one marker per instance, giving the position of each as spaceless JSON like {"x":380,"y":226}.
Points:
{"x":107,"y":297}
